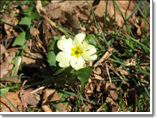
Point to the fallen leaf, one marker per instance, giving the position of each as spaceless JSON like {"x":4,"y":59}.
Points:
{"x":122,"y":71}
{"x":100,"y":8}
{"x":6,"y":63}
{"x":98,"y":77}
{"x":130,"y":62}
{"x":28,"y":98}
{"x":69,"y":12}
{"x":51,"y":95}
{"x":48,"y":96}
{"x":14,"y":99}
{"x":89,"y":88}
{"x":34,"y":31}
{"x":97,"y":70}
{"x":39,"y":7}
{"x":115,"y":108}
{"x":63,"y":107}
{"x":46,"y":108}
{"x":110,"y":86}
{"x":126,"y":8}
{"x":12,"y":20}
{"x":113,"y":94}
{"x":2,"y":49}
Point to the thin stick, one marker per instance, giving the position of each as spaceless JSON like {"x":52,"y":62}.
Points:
{"x":42,"y":12}
{"x":104,"y":57}
{"x":38,"y":89}
{"x":107,"y":70}
{"x":53,"y":24}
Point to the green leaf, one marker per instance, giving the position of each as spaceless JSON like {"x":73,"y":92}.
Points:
{"x":30,"y":12}
{"x":91,"y":39}
{"x":51,"y":46}
{"x":51,"y":58}
{"x":34,"y":15}
{"x":26,"y":21}
{"x":84,"y":74}
{"x":3,"y":91}
{"x":20,"y":39}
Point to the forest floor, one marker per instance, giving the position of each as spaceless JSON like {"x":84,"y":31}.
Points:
{"x":31,"y":79}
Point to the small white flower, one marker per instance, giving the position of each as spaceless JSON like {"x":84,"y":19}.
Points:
{"x":75,"y":52}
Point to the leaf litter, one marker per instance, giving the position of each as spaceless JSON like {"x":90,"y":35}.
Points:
{"x":101,"y":93}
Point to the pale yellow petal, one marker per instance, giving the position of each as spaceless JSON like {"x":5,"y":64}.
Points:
{"x":80,"y":37}
{"x":65,"y":44}
{"x":89,"y":52}
{"x":63,"y":59}
{"x":90,"y":49}
{"x":77,"y":63}
{"x":88,"y":57}
{"x":93,"y":57}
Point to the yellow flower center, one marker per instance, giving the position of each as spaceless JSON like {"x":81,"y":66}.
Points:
{"x":76,"y":52}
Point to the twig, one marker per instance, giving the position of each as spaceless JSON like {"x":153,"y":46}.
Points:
{"x":11,"y":81}
{"x":53,"y":24}
{"x":42,"y":12}
{"x":12,"y":25}
{"x":104,"y":57}
{"x":38,"y":89}
{"x":107,"y":70}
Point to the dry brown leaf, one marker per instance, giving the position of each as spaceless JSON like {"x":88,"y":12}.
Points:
{"x":109,"y":100}
{"x":126,"y":8}
{"x":130,"y":62}
{"x":50,"y":95}
{"x":6,"y":65}
{"x":63,"y":107}
{"x":87,"y":107}
{"x":89,"y":88}
{"x":98,"y":77}
{"x":110,"y":86}
{"x":39,"y":7}
{"x":97,"y":70}
{"x":46,"y":108}
{"x":59,"y":8}
{"x":12,"y":20}
{"x":115,"y":108}
{"x":100,"y":8}
{"x":5,"y":68}
{"x":2,"y":49}
{"x":69,"y":12}
{"x":123,"y":72}
{"x":28,"y":98}
{"x":56,"y":97}
{"x":28,"y":60}
{"x":114,"y":105}
{"x":113,"y":94}
{"x":34,"y":31}
{"x":47,"y":95}
{"x":35,"y":59}
{"x":14,"y":99}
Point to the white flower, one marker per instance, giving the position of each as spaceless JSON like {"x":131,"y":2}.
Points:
{"x":75,"y":52}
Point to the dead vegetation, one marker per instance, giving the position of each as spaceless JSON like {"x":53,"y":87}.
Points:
{"x":120,"y":78}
